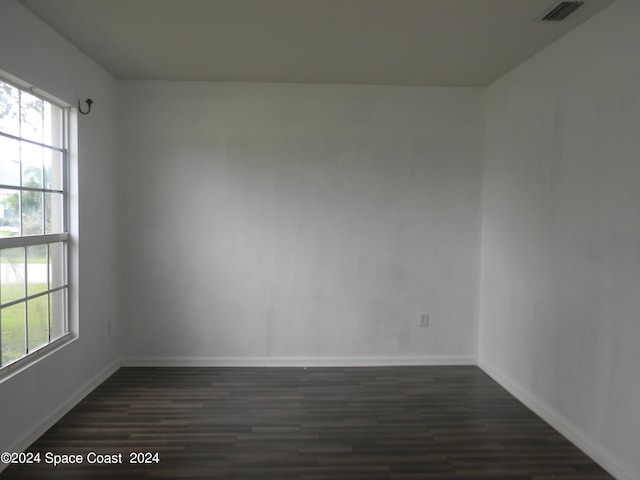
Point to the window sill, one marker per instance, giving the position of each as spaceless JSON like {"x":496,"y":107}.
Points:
{"x":36,"y":356}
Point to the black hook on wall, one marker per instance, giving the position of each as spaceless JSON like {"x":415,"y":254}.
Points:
{"x":89,"y":102}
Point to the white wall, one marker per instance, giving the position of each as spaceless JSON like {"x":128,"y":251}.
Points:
{"x":270,"y":223}
{"x":560,"y":296}
{"x":32,"y":399}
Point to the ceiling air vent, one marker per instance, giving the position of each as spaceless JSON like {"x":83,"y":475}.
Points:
{"x":559,"y":12}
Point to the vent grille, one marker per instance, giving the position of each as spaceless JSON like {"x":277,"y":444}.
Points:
{"x":561,"y":11}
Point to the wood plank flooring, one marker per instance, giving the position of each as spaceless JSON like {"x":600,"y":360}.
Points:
{"x":391,"y":423}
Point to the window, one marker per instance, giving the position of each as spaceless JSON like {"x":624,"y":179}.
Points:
{"x":33,"y":223}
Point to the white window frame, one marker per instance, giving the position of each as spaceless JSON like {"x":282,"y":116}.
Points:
{"x":24,"y":241}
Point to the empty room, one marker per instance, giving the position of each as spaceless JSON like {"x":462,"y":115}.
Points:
{"x":320,"y":239}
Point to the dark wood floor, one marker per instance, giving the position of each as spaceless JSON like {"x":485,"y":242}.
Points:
{"x":400,"y":423}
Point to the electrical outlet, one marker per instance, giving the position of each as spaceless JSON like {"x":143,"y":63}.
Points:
{"x":424,"y":320}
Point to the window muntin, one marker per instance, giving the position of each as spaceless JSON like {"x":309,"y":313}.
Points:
{"x":33,"y":223}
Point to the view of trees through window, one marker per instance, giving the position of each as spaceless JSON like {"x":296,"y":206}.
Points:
{"x":33,"y":235}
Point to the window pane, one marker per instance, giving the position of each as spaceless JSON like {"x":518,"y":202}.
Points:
{"x":9,"y":109}
{"x":31,"y":156}
{"x":53,"y":125}
{"x":38,"y":322}
{"x":31,"y":110}
{"x":54,"y":208}
{"x":36,"y":269}
{"x":13,"y":334}
{"x":57,"y":313}
{"x":32,"y":220}
{"x":56,"y":265}
{"x":53,"y":172}
{"x":11,"y":274}
{"x":9,"y":161}
{"x":9,"y":213}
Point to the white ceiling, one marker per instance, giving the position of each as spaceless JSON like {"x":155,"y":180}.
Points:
{"x":395,"y":42}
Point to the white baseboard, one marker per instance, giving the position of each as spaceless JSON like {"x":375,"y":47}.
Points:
{"x":45,"y":424}
{"x":596,"y":451}
{"x":295,"y":361}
